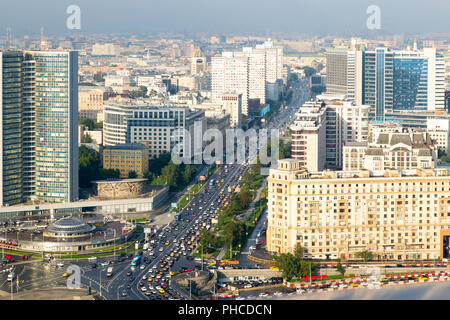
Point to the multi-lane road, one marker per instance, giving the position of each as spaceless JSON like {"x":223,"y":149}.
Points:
{"x":172,"y":244}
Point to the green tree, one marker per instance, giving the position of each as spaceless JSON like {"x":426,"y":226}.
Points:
{"x":88,"y":123}
{"x":86,"y":138}
{"x":98,"y":77}
{"x":288,"y":265}
{"x":306,"y":268}
{"x":366,"y":255}
{"x":309,"y":71}
{"x":132,"y":174}
{"x":298,"y":251}
{"x":339,"y":267}
{"x":141,"y":92}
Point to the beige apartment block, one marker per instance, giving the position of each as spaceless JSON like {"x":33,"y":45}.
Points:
{"x":397,"y":215}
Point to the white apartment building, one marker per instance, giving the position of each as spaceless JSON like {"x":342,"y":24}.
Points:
{"x":256,"y":73}
{"x":230,"y":74}
{"x":116,"y":81}
{"x":107,"y":49}
{"x":232,"y":105}
{"x":322,"y":127}
{"x":439,"y":130}
{"x":397,"y":215}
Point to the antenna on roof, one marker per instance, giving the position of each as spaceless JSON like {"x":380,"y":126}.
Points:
{"x":8,"y":38}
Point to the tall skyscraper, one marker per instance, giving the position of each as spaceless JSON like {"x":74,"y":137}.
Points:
{"x":378,"y":81}
{"x":388,"y":80}
{"x":39,"y":119}
{"x":256,"y":73}
{"x":230,"y":75}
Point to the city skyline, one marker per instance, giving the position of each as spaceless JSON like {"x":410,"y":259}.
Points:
{"x":347,"y":17}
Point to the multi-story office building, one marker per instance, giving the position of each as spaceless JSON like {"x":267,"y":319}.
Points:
{"x":198,"y":63}
{"x":131,"y":123}
{"x":127,"y":157}
{"x":232,"y":105}
{"x":397,"y":215}
{"x":322,"y":127}
{"x":90,"y":103}
{"x":391,"y":147}
{"x":378,"y":81}
{"x":337,"y":65}
{"x":388,"y":80}
{"x":39,"y":108}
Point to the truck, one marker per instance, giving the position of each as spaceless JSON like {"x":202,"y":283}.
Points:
{"x":109,"y":272}
{"x":178,"y":216}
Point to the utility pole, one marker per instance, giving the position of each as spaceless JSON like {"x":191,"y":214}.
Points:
{"x":310,"y":280}
{"x":190,"y":289}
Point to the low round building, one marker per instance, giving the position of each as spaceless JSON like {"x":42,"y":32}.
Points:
{"x":69,"y":227}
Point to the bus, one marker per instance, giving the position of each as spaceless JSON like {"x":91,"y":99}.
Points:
{"x":136,"y":261}
{"x":178,"y":217}
{"x":211,"y":182}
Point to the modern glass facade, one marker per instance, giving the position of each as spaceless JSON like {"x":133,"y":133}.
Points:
{"x":410,"y":82}
{"x":11,"y":126}
{"x":39,"y":121}
{"x":378,"y":81}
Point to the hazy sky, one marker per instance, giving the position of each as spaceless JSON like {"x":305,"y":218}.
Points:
{"x":148,"y":16}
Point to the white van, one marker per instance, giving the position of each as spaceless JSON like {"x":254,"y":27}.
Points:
{"x":11,"y":276}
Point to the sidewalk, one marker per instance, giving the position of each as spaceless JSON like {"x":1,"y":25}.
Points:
{"x":243,"y":217}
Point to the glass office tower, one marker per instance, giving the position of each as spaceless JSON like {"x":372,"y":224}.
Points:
{"x":39,"y":102}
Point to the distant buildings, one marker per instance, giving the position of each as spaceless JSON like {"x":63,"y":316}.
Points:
{"x":198,"y":63}
{"x":39,"y":110}
{"x":396,"y":215}
{"x":126,"y":158}
{"x":256,"y":73}
{"x":91,"y":103}
{"x":107,"y":49}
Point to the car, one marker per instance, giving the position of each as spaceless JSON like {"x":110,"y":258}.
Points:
{"x":143,"y":289}
{"x":129,"y":273}
{"x":354,"y":285}
{"x":142,"y":267}
{"x":60,"y":264}
{"x":128,"y":286}
{"x":65,"y":274}
{"x":161,"y":290}
{"x":423,"y":278}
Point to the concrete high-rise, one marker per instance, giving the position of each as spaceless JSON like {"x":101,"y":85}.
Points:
{"x":39,"y":118}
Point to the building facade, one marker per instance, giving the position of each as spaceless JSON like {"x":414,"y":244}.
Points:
{"x":39,"y":102}
{"x":322,"y":127}
{"x":397,"y":215}
{"x":127,"y":157}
